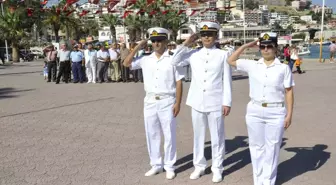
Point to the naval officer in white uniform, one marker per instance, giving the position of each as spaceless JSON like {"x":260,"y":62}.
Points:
{"x":163,"y":88}
{"x":209,"y":95}
{"x":271,"y":107}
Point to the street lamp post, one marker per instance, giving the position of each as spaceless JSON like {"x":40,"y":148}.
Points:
{"x":244,"y":29}
{"x":321,"y":34}
{"x":3,"y":13}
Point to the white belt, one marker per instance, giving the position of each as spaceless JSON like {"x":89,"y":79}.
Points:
{"x":268,"y":104}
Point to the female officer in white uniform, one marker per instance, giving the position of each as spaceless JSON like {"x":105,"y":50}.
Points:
{"x":271,"y":85}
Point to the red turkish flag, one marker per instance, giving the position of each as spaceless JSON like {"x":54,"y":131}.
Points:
{"x":44,"y":2}
{"x":70,"y":2}
{"x":30,"y":12}
{"x":129,"y":3}
{"x":84,"y":12}
{"x":69,"y":13}
{"x":150,"y":1}
{"x":94,"y":1}
{"x":126,"y":13}
{"x":165,"y":12}
{"x":180,"y":12}
{"x":111,"y":5}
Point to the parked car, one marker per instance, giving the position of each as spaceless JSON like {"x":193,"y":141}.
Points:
{"x":26,"y":55}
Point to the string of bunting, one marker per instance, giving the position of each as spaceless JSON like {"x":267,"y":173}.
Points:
{"x":69,"y":9}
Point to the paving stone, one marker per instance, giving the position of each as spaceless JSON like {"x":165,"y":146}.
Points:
{"x":87,"y":134}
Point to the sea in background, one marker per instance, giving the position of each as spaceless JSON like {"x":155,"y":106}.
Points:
{"x":315,"y":52}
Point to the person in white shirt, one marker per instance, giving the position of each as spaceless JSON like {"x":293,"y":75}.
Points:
{"x":209,"y":95}
{"x":103,"y":58}
{"x":271,"y":107}
{"x":91,"y":63}
{"x":114,"y":57}
{"x":163,"y":88}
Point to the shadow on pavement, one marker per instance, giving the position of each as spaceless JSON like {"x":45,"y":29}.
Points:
{"x":8,"y":92}
{"x":57,"y":107}
{"x":305,"y":159}
{"x":20,"y":73}
{"x":230,"y":146}
{"x":238,"y":160}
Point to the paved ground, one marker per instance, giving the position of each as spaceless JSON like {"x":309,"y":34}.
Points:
{"x":93,"y":134}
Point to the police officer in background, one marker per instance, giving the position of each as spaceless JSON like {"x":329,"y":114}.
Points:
{"x":209,"y":95}
{"x":163,"y":88}
{"x":271,"y":88}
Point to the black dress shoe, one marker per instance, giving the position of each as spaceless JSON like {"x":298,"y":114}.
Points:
{"x":49,"y":81}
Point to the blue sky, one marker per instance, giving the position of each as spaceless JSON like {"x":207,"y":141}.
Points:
{"x":330,"y":3}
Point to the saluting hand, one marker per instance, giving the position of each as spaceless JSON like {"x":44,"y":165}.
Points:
{"x":143,"y":43}
{"x":251,"y":44}
{"x":176,"y":109}
{"x":226,"y":110}
{"x":191,"y":39}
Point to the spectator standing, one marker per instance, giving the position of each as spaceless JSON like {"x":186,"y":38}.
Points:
{"x":77,"y":59}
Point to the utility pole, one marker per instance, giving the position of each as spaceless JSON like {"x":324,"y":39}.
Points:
{"x":3,"y":14}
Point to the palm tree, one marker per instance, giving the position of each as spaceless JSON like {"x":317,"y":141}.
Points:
{"x":58,"y":18}
{"x":90,"y":27}
{"x":133,"y":24}
{"x":111,"y":20}
{"x":11,"y":28}
{"x":175,"y":22}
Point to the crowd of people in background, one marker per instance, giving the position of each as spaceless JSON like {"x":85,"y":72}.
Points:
{"x":291,"y":56}
{"x":94,"y":63}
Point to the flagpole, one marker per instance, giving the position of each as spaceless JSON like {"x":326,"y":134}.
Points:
{"x":321,"y":35}
{"x":3,"y":14}
{"x":244,"y":29}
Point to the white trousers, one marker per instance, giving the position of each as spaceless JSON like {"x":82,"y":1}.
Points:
{"x":159,"y":118}
{"x":265,"y":126}
{"x":91,"y":72}
{"x":215,"y":122}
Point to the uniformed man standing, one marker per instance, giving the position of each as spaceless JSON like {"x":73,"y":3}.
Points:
{"x":77,"y":59}
{"x":163,"y":88}
{"x":209,"y":95}
{"x":271,"y":86}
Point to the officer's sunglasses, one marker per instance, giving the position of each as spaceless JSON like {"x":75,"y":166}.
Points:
{"x":268,"y":46}
{"x":157,"y":40}
{"x":208,"y":34}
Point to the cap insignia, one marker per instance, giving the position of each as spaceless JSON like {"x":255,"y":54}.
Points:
{"x":266,"y":37}
{"x":154,"y":33}
{"x":205,"y":27}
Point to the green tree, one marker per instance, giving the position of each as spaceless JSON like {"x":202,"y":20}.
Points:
{"x":11,"y":29}
{"x":250,"y":4}
{"x":299,"y":36}
{"x":111,"y":21}
{"x":175,"y":22}
{"x":57,"y":18}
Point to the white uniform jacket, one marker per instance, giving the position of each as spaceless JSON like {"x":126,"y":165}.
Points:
{"x":211,"y":82}
{"x":90,"y":60}
{"x":159,"y":75}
